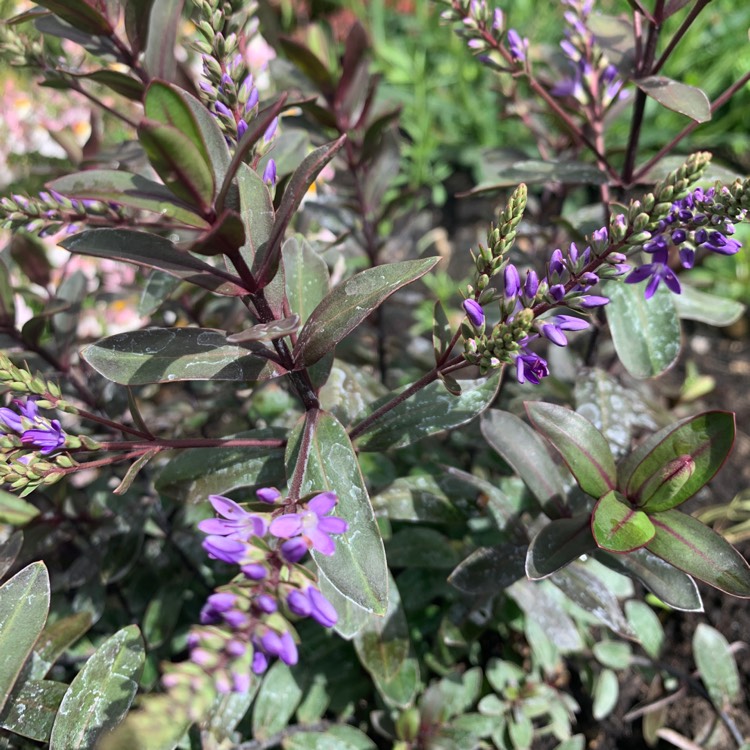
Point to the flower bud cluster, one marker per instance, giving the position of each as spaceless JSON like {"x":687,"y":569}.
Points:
{"x":51,"y":212}
{"x":594,"y":81}
{"x":484,"y":28}
{"x":246,"y":623}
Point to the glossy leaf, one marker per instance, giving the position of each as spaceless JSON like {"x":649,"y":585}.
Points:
{"x":528,"y":455}
{"x":348,"y":304}
{"x":196,"y":473}
{"x":708,"y":308}
{"x":489,"y":570}
{"x":352,"y":617}
{"x":120,"y":83}
{"x":582,"y":446}
{"x":582,"y":586}
{"x":267,"y":259}
{"x":53,"y":641}
{"x":267,"y":331}
{"x":606,"y":692}
{"x":256,"y":210}
{"x":646,"y":333}
{"x":152,"y":251}
{"x":32,"y":709}
{"x":306,"y":61}
{"x":24,"y":603}
{"x":168,"y":355}
{"x":442,"y":331}
{"x":335,"y":737}
{"x":129,"y":190}
{"x":672,"y":465}
{"x":557,"y":544}
{"x":401,"y":689}
{"x":80,"y":14}
{"x":358,"y":567}
{"x":178,"y":162}
{"x":429,"y":411}
{"x":9,"y":550}
{"x":137,"y":17}
{"x":618,"y":527}
{"x":277,"y":699}
{"x":686,"y":543}
{"x":382,"y":645}
{"x":418,"y":499}
{"x":717,"y":666}
{"x":15,"y":511}
{"x":229,"y":710}
{"x":101,"y":693}
{"x":679,"y":97}
{"x":305,"y":276}
{"x":538,"y":172}
{"x":226,"y":236}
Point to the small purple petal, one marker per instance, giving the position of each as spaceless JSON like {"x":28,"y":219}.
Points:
{"x":268,"y":494}
{"x":260,"y":662}
{"x":288,"y":652}
{"x":333,"y":525}
{"x":322,"y":610}
{"x":227,"y":508}
{"x":322,"y":503}
{"x":222,"y":548}
{"x":294,"y":550}
{"x":298,"y":603}
{"x":286,"y":526}
{"x":474,"y":312}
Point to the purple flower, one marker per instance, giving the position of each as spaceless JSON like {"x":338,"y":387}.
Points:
{"x":312,"y":524}
{"x":552,"y":328}
{"x":271,"y":130}
{"x":512,"y":281}
{"x":293,"y":550}
{"x":592,"y":300}
{"x":268,"y":494}
{"x":532,"y":284}
{"x":266,"y":603}
{"x":241,"y":128}
{"x":658,"y":271}
{"x":516,"y":46}
{"x":556,"y":264}
{"x":497,"y":20}
{"x":235,"y":522}
{"x":311,"y":603}
{"x":557,"y":292}
{"x":531,"y":367}
{"x":222,"y":109}
{"x":224,"y":548}
{"x":269,"y":173}
{"x":252,"y":100}
{"x":46,"y":437}
{"x":260,"y":662}
{"x":474,"y":312}
{"x":216,"y":605}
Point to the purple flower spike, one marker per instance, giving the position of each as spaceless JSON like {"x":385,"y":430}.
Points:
{"x":47,"y":438}
{"x":235,"y":523}
{"x":474,"y":312}
{"x":512,"y":281}
{"x":312,"y":525}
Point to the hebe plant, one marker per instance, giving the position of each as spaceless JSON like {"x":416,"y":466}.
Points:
{"x":203,"y":206}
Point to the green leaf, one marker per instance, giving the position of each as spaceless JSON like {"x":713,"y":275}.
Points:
{"x":708,"y":308}
{"x":717,"y":666}
{"x":32,"y":709}
{"x":401,"y":689}
{"x":277,"y":700}
{"x":488,"y":570}
{"x":527,"y":454}
{"x":151,"y":251}
{"x":613,"y":654}
{"x":24,"y":603}
{"x":352,"y":617}
{"x":675,"y":588}
{"x":229,"y":710}
{"x":645,"y":332}
{"x":15,"y":511}
{"x":418,"y":499}
{"x":382,"y":645}
{"x":160,"y":60}
{"x":606,"y":692}
{"x":335,"y":737}
{"x":196,"y":473}
{"x":647,"y":626}
{"x":442,"y":331}
{"x":101,"y":693}
{"x":305,"y":276}
{"x":179,"y":162}
{"x":81,"y":15}
{"x":538,"y":172}
{"x":306,"y":61}
{"x":168,"y":355}
{"x":137,"y":17}
{"x":686,"y":543}
{"x":422,"y":547}
{"x":53,"y":641}
{"x":582,"y":446}
{"x":557,"y":544}
{"x":429,"y":411}
{"x":618,"y":527}
{"x":7,"y":297}
{"x":9,"y":550}
{"x":256,"y":210}
{"x":128,"y":189}
{"x":358,"y":567}
{"x":679,"y":97}
{"x":120,"y":83}
{"x":348,"y":304}
{"x":267,"y":258}
{"x":161,"y":615}
{"x":672,"y":465}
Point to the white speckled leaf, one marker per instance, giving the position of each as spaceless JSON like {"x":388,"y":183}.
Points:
{"x":167,"y":355}
{"x":358,"y":567}
{"x":645,"y":332}
{"x":101,"y":693}
{"x":430,"y":410}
